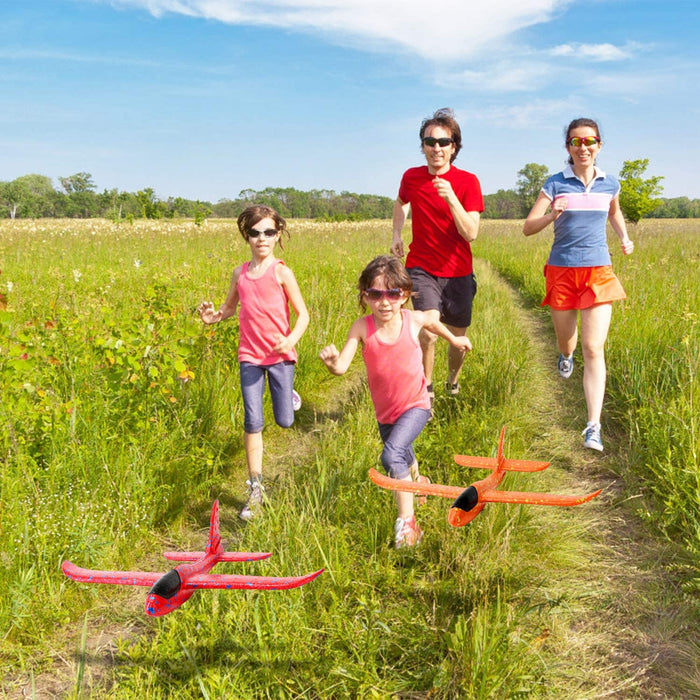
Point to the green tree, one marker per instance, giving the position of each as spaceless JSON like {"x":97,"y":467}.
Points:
{"x":10,"y":197}
{"x":80,"y":182}
{"x":531,"y":177}
{"x":638,"y":196}
{"x":504,"y":204}
{"x":30,"y":196}
{"x":81,"y":200}
{"x":151,"y":207}
{"x":113,"y":204}
{"x":200,"y":212}
{"x":677,"y":208}
{"x":227,"y":208}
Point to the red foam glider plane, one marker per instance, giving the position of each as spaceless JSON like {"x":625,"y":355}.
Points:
{"x":169,"y":591}
{"x":470,"y":502}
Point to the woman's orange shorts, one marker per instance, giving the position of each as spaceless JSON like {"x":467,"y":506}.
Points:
{"x":580,"y":287}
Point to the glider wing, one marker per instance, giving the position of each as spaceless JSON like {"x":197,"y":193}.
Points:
{"x":269,"y":583}
{"x":509,"y":465}
{"x":534,"y":498}
{"x":120,"y":578}
{"x":386,"y":482}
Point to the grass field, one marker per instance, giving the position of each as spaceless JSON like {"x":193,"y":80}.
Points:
{"x":122,"y":421}
{"x":654,"y":356}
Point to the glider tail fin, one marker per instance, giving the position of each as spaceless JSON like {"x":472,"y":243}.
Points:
{"x":214,"y":545}
{"x":500,"y":458}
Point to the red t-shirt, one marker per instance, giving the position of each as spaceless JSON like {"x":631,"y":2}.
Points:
{"x":436,"y":246}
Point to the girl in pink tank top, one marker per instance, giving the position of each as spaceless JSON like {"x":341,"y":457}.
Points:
{"x":265,"y":288}
{"x":394,"y":362}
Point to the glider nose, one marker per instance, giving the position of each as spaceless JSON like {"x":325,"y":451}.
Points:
{"x":156,"y":606}
{"x":163,"y":595}
{"x":465,"y":508}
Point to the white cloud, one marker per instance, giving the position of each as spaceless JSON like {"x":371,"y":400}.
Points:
{"x":592,"y":52}
{"x":531,"y":115}
{"x":629,"y":87}
{"x":512,"y":75}
{"x":447,"y":31}
{"x":520,"y":69}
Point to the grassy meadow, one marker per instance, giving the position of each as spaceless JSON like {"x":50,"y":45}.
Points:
{"x":122,"y":422}
{"x":653,"y":357}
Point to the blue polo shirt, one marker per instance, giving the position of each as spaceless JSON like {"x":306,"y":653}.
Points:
{"x":579,"y":232}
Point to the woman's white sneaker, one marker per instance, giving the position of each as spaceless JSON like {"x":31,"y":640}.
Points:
{"x":592,"y":438}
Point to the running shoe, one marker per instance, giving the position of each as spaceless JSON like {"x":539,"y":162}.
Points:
{"x":592,"y":438}
{"x":256,"y":495}
{"x":406,"y":532}
{"x":565,"y":366}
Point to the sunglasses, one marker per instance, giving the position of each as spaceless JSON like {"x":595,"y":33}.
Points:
{"x":431,"y":141}
{"x":268,"y":233}
{"x":390,"y":294}
{"x":577,"y":141}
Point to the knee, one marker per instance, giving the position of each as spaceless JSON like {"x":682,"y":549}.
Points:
{"x":394,"y":462}
{"x":593,"y":352}
{"x":286,"y":422}
{"x":253,"y":427}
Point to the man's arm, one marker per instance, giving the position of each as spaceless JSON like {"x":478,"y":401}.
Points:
{"x":467,"y":222}
{"x":398,"y":219}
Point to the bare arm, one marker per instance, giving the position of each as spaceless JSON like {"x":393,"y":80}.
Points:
{"x":467,"y":222}
{"x":538,"y":218}
{"x":617,"y":221}
{"x":228,"y":308}
{"x":338,"y":362}
{"x":398,"y":219}
{"x":284,"y":344}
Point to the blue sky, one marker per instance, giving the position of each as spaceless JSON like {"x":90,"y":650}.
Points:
{"x":205,"y":98}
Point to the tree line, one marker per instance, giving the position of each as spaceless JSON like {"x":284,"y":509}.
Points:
{"x":34,"y":196}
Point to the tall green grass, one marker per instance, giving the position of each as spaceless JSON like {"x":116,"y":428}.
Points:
{"x":122,"y":421}
{"x":653,"y":356}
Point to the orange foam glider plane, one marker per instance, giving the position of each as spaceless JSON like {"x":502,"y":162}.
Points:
{"x":470,"y":502}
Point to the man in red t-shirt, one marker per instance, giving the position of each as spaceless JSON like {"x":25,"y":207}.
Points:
{"x":446,"y":205}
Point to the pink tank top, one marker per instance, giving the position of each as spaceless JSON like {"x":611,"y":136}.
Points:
{"x":264,"y":313}
{"x":395,"y":372}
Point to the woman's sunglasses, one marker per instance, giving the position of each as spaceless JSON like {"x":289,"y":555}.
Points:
{"x":390,"y":294}
{"x":268,"y":233}
{"x":577,"y":141}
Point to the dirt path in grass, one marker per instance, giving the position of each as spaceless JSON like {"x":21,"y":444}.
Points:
{"x":637,"y":636}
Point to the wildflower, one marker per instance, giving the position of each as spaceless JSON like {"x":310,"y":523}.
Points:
{"x":137,"y":263}
{"x":77,"y":274}
{"x":186,"y":375}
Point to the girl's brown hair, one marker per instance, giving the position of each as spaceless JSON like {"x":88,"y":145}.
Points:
{"x":393,"y":271}
{"x":257,"y":212}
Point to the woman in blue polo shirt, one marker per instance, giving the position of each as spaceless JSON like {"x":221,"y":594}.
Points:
{"x":579,"y":201}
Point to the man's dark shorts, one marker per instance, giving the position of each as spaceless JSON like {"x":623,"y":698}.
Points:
{"x":451,"y":296}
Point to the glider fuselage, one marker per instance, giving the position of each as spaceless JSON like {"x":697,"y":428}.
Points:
{"x":471,"y":501}
{"x":171,"y":590}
